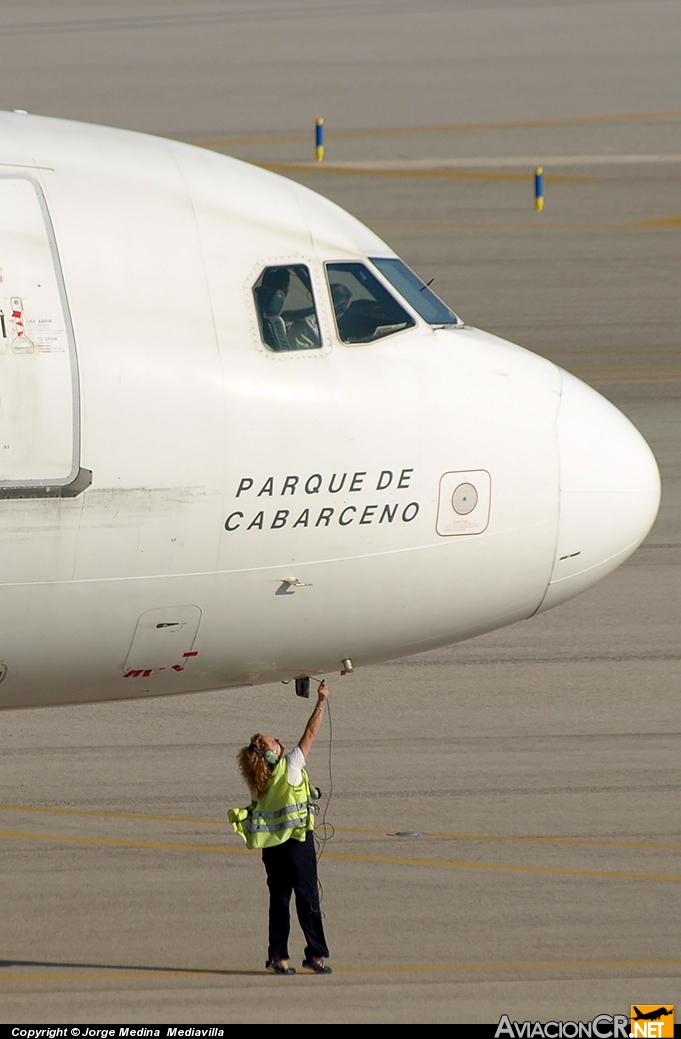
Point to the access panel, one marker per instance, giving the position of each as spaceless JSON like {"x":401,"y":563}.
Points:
{"x":163,"y":641}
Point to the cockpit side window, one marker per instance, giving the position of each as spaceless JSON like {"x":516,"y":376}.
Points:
{"x":424,"y":301}
{"x":286,"y":309}
{"x":364,"y":309}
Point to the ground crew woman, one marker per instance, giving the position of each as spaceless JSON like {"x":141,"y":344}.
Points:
{"x":280,"y":821}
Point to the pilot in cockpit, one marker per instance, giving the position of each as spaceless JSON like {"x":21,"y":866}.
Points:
{"x":284,"y":330}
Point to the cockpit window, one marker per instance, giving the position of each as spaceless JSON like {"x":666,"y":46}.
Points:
{"x":364,"y":309}
{"x":417,"y":294}
{"x":286,"y":310}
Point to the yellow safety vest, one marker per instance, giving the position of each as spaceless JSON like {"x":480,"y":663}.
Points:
{"x":283,"y":811}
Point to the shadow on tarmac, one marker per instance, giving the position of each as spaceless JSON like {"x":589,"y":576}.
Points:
{"x":133,"y":967}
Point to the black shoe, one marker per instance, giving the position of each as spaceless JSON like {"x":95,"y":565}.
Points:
{"x":318,"y":968}
{"x":276,"y":967}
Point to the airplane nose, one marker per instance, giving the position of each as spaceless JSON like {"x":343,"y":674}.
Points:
{"x":609,"y":491}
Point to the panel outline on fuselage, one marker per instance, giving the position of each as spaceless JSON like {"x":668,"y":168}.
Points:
{"x":78,"y":479}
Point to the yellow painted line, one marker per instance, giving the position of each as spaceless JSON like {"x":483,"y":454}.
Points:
{"x":410,"y":968}
{"x":634,"y":375}
{"x":359,"y":171}
{"x":625,"y":373}
{"x":454,"y":128}
{"x":621,"y":352}
{"x":348,"y":829}
{"x":627,"y":378}
{"x":559,"y":965}
{"x":612,"y":874}
{"x":665,"y":221}
{"x":384,"y":859}
{"x":234,"y":142}
{"x":116,"y":843}
{"x":114,"y":815}
{"x":525,"y":225}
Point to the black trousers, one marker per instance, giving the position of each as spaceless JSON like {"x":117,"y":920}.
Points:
{"x":292,"y":866}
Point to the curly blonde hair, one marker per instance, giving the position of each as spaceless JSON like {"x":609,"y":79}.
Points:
{"x":255,"y":770}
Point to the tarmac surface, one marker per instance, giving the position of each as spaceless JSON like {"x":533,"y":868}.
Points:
{"x":508,"y":833}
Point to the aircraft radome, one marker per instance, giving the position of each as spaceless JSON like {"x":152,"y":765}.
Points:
{"x":241,"y":441}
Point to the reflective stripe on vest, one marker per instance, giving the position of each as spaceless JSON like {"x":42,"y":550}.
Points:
{"x":254,"y":823}
{"x":286,"y":810}
{"x":280,"y":813}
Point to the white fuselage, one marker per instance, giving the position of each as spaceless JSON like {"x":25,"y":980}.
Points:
{"x":254,"y":516}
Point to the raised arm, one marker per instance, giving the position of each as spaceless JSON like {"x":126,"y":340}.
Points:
{"x":315,"y":720}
